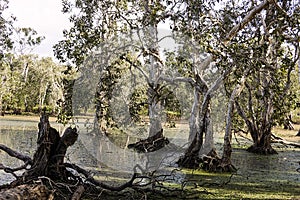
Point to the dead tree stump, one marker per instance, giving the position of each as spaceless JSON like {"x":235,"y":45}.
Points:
{"x":51,"y":149}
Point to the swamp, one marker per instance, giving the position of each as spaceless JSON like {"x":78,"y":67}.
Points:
{"x":257,"y":177}
{"x":152,"y":99}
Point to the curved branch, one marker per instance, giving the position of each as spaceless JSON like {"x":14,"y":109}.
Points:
{"x":15,"y":154}
{"x":90,"y":179}
{"x":246,"y":20}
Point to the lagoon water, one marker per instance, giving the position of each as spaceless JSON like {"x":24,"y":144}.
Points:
{"x":110,"y":156}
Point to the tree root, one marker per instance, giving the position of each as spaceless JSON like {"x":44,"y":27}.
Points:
{"x":213,"y":163}
{"x":189,"y":161}
{"x":262,"y":150}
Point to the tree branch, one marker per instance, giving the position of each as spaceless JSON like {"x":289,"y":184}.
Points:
{"x":246,"y":20}
{"x":15,"y":154}
{"x":90,"y":179}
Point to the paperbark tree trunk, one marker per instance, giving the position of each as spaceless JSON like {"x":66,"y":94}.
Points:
{"x":226,"y":164}
{"x":194,"y":122}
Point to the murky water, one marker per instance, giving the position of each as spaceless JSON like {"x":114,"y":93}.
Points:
{"x":92,"y":149}
{"x":95,"y":151}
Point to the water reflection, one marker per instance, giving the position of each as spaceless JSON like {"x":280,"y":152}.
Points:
{"x":107,"y":153}
{"x":95,"y":150}
{"x":92,"y":150}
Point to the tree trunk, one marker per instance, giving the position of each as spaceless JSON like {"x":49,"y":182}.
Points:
{"x":51,"y":150}
{"x":208,"y":144}
{"x":262,"y":143}
{"x":191,"y":158}
{"x":193,"y":122}
{"x":154,"y":109}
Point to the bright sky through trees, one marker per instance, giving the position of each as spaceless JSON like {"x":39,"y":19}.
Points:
{"x":45,"y":17}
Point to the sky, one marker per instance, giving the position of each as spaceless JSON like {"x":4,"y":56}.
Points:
{"x":45,"y":17}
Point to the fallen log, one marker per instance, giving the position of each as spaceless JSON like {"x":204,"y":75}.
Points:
{"x":276,"y":139}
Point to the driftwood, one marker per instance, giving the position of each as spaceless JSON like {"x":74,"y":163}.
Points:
{"x":48,"y":161}
{"x":51,"y":150}
{"x":150,"y":144}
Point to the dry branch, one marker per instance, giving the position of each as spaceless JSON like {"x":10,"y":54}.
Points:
{"x":15,"y":154}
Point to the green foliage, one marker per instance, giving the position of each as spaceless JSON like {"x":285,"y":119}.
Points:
{"x":138,"y":104}
{"x":30,"y":82}
{"x":265,"y":50}
{"x":6,"y":30}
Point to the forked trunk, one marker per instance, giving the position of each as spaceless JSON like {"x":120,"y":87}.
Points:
{"x":191,"y":159}
{"x":262,"y":143}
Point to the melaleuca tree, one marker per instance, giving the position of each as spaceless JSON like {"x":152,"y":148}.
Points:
{"x":221,"y":27}
{"x":201,"y":27}
{"x":113,"y":29}
{"x":271,"y":43}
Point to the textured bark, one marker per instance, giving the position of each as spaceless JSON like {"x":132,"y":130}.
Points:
{"x":193,"y":122}
{"x":208,"y":144}
{"x":50,"y":153}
